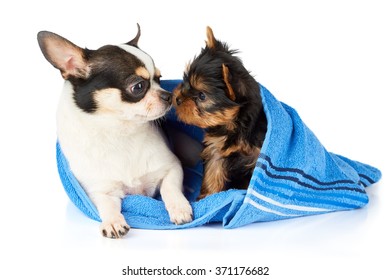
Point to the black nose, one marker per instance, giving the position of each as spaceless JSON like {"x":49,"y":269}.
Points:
{"x":179,"y":100}
{"x":166,"y":96}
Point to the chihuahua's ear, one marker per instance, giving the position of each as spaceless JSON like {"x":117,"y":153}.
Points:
{"x":64,"y":55}
{"x":226,"y":78}
{"x":134,"y":42}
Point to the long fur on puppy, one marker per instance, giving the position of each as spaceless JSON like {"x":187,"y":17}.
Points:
{"x":219,"y":95}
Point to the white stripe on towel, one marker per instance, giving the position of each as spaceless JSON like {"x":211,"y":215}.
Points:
{"x":265,"y":209}
{"x":287,"y":206}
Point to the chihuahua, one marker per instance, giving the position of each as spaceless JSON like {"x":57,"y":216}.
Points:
{"x":219,"y":95}
{"x":107,"y":131}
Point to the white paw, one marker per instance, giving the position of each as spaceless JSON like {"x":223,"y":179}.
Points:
{"x":180,"y":212}
{"x":116,"y":227}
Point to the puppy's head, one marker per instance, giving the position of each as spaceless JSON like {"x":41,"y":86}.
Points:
{"x":119,"y":81}
{"x":215,"y":87}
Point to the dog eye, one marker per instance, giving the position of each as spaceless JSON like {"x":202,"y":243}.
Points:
{"x":138,"y":88}
{"x":157,"y":79}
{"x":201,"y":96}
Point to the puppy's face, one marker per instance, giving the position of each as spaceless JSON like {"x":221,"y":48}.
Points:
{"x":202,"y":101}
{"x":206,"y":97}
{"x":116,"y":81}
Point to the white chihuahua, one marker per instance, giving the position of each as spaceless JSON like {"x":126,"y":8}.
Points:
{"x":106,"y":128}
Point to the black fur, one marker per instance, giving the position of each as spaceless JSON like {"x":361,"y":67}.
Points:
{"x":250,"y":125}
{"x":112,"y":67}
{"x":239,"y":176}
{"x":251,"y":122}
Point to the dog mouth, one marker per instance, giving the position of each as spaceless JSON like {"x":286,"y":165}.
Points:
{"x":162,"y":114}
{"x":153,"y":113}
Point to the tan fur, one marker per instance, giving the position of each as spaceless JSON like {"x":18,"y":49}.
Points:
{"x":244,"y":148}
{"x":114,"y":149}
{"x":228,"y":156}
{"x":215,"y":174}
{"x":157,"y":72}
{"x":214,"y":153}
{"x":198,"y":83}
{"x":142,"y":72}
{"x":210,"y":38}
{"x":230,"y":93}
{"x":189,"y":113}
{"x":224,"y":117}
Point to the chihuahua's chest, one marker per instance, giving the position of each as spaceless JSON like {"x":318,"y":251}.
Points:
{"x":134,"y":156}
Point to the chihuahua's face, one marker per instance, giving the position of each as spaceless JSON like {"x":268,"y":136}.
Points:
{"x":116,"y":81}
{"x":206,"y":97}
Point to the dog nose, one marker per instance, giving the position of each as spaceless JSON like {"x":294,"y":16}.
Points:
{"x":166,"y":96}
{"x":179,"y":100}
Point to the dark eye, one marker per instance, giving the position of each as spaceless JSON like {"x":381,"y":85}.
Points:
{"x":157,"y":79}
{"x":138,"y":88}
{"x":201,"y":96}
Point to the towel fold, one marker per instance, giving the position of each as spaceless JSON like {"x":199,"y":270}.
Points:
{"x":294,"y":176}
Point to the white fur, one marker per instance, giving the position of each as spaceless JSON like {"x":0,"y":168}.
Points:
{"x":113,"y":156}
{"x":117,"y":151}
{"x":144,"y":57}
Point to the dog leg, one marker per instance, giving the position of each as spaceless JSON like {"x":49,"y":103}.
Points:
{"x":178,"y":207}
{"x":109,"y":206}
{"x":214,"y":177}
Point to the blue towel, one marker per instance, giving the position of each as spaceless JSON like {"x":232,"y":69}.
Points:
{"x":294,"y":176}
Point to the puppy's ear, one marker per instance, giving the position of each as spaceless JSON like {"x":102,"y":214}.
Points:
{"x":134,"y":42}
{"x":214,"y":44}
{"x":211,"y":41}
{"x":226,"y":78}
{"x":64,"y":55}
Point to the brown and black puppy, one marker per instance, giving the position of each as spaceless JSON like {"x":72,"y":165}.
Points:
{"x":220,"y":95}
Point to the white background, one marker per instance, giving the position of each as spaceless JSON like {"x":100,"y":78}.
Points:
{"x":330,"y":60}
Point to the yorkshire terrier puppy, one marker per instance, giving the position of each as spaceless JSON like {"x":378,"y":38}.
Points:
{"x":219,"y":95}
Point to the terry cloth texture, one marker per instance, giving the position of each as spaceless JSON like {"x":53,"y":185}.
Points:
{"x":294,"y":176}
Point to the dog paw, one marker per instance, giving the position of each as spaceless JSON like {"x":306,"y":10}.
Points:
{"x":114,"y":228}
{"x":180,"y":213}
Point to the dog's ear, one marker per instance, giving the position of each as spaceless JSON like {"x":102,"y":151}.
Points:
{"x":214,"y":44}
{"x":134,"y":42}
{"x":211,"y":41}
{"x":64,"y":55}
{"x":226,"y":78}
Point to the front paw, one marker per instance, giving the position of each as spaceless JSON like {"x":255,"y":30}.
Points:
{"x":180,"y":212}
{"x":115,"y":227}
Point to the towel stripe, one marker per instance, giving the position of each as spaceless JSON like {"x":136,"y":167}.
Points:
{"x":298,"y":181}
{"x":302,"y":173}
{"x":291,"y":192}
{"x":371,"y":181}
{"x":287,"y":188}
{"x":262,"y":208}
{"x":287,"y":206}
